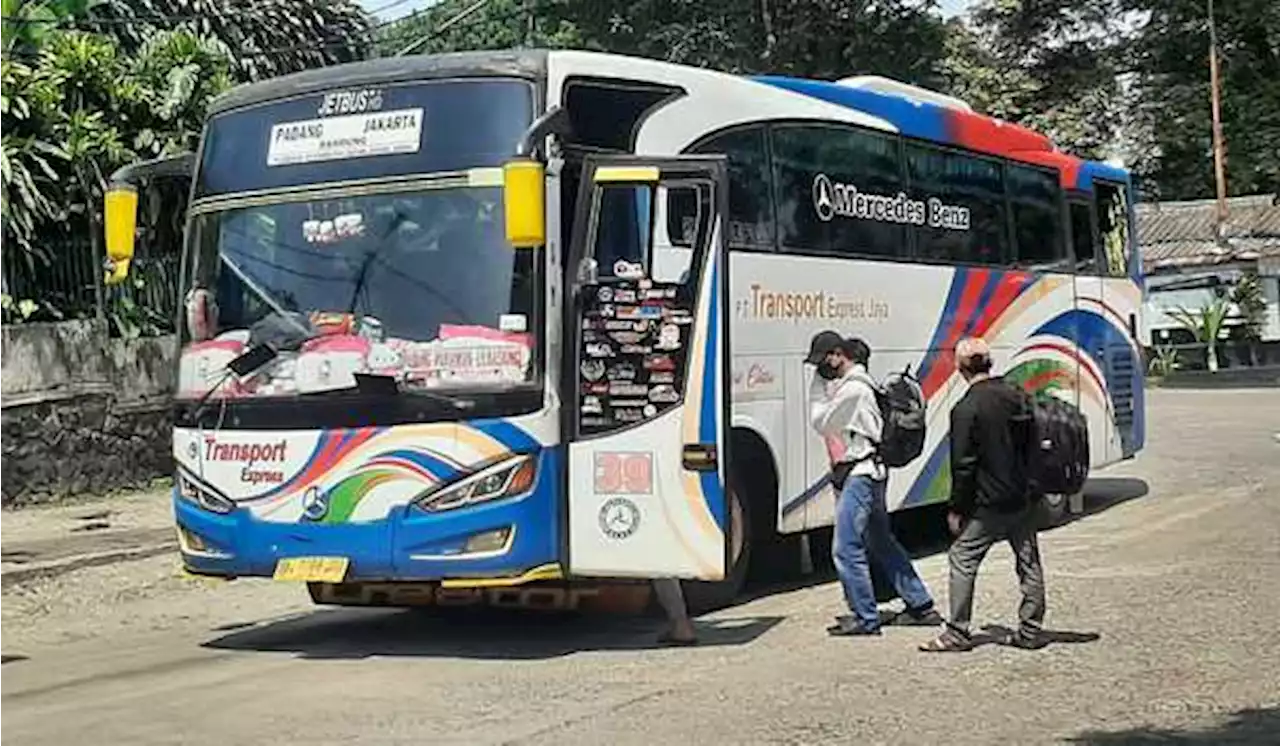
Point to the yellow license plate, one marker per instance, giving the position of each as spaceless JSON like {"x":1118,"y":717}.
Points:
{"x":312,"y":569}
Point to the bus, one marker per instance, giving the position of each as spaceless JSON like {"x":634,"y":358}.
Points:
{"x":533,"y":320}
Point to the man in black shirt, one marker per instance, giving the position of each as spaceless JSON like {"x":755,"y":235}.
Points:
{"x":993,"y":496}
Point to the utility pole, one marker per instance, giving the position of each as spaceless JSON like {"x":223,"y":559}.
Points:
{"x":530,"y":21}
{"x":1219,"y":170}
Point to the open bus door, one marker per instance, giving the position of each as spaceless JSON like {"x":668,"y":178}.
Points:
{"x":646,"y":370}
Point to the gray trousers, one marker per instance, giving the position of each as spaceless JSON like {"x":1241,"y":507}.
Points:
{"x":970,"y":547}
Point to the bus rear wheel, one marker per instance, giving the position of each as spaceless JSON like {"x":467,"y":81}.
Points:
{"x":702,"y":597}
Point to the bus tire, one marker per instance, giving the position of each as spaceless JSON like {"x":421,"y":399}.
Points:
{"x":701,"y":597}
{"x":318,"y":596}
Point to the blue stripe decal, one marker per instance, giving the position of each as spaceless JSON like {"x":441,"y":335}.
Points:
{"x":1088,"y":331}
{"x":958,"y":281}
{"x":1091,"y":170}
{"x":810,"y":492}
{"x":708,"y":432}
{"x":912,"y":118}
{"x":988,"y":290}
{"x":515,"y":439}
{"x":920,"y":490}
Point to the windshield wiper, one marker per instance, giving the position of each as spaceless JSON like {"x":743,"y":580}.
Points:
{"x":378,"y":384}
{"x":368,"y":260}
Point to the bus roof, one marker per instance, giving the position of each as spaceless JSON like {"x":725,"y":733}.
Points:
{"x":929,"y":118}
{"x":914,"y":112}
{"x":531,"y":64}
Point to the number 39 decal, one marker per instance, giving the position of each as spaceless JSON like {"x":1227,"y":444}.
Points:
{"x":624,"y":473}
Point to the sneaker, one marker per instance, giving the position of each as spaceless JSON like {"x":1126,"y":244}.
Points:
{"x":1026,"y":640}
{"x":851,"y":628}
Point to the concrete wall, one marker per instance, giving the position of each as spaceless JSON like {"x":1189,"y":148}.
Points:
{"x":82,"y":412}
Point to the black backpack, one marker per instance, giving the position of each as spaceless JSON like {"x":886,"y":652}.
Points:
{"x":1059,"y":451}
{"x":902,"y":407}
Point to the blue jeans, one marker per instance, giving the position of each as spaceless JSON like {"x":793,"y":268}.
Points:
{"x":863,"y":535}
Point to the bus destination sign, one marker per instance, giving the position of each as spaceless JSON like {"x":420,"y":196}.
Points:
{"x":344,"y":137}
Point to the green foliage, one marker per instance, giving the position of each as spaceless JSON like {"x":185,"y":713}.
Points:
{"x":265,"y":39}
{"x":811,"y":38}
{"x":1251,"y":302}
{"x":1050,"y":65}
{"x":1205,"y":324}
{"x":78,"y":103}
{"x":1165,"y":360}
{"x":1172,"y":117}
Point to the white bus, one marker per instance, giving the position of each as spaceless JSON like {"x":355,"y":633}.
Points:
{"x":524,"y":318}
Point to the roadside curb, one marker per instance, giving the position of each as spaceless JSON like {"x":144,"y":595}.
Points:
{"x":63,"y":565}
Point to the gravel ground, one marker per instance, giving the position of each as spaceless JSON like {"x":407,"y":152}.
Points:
{"x":1175,"y":570}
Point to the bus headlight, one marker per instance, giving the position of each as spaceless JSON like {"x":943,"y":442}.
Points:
{"x":203,"y":497}
{"x":509,"y":478}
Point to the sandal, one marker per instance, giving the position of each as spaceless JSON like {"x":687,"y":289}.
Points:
{"x":950,"y":641}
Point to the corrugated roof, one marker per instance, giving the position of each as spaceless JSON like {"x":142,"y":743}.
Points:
{"x":1182,"y":234}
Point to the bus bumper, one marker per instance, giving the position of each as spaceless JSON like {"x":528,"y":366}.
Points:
{"x":503,"y":539}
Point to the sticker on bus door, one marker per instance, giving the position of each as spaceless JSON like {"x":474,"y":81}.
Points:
{"x":646,"y":493}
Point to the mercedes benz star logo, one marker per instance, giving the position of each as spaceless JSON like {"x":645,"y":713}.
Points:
{"x":315,"y":504}
{"x":824,"y":197}
{"x":619,"y":518}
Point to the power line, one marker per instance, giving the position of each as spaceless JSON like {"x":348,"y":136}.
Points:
{"x":388,"y":6}
{"x":433,"y":33}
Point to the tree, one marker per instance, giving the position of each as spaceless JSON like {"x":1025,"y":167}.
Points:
{"x":31,"y":162}
{"x":1251,"y":302}
{"x":1051,"y":65}
{"x":266,"y":39}
{"x":499,"y":24}
{"x":1173,"y":124}
{"x":811,"y":38}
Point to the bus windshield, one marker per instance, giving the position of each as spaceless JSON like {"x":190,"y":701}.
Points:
{"x":417,"y":284}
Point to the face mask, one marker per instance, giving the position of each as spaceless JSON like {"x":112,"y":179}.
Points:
{"x":827,"y":371}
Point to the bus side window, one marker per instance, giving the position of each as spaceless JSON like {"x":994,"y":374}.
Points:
{"x":818,"y":170}
{"x":688,"y":218}
{"x":751,"y":222}
{"x":966,"y":189}
{"x":1036,"y":197}
{"x":1083,"y":239}
{"x":1113,"y":226}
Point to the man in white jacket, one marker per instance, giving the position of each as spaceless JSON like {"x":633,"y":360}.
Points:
{"x":843,"y":409}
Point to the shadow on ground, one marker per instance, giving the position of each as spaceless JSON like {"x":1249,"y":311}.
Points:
{"x":1255,"y":726}
{"x":923,"y":531}
{"x":477,"y":634}
{"x":515,"y":635}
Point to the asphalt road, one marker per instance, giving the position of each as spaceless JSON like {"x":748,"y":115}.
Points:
{"x":1175,"y":569}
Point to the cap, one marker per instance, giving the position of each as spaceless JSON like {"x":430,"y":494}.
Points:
{"x":971,"y":347}
{"x":821,"y":344}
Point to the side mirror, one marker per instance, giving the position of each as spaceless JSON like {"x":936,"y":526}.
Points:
{"x":523,"y":195}
{"x":120,"y":223}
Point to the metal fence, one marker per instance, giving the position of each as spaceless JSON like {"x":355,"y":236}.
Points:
{"x":66,"y":283}
{"x":60,"y":280}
